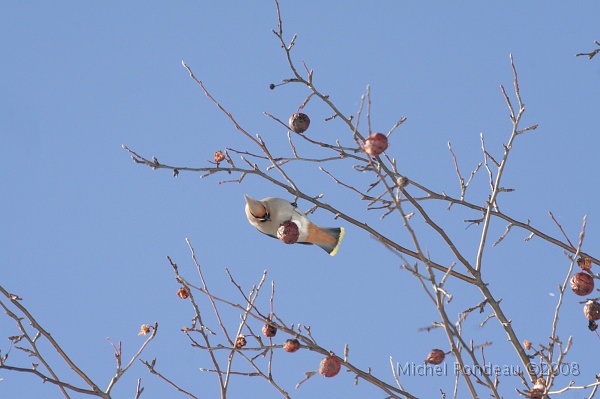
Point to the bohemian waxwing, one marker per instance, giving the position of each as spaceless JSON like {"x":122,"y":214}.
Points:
{"x":268,"y":214}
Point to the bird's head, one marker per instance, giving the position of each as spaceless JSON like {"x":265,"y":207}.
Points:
{"x":256,"y":209}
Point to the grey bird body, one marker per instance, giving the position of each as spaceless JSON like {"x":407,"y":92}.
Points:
{"x":269,"y":213}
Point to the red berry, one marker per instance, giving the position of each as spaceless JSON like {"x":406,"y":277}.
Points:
{"x":375,"y":144}
{"x":582,"y":283}
{"x":436,"y":356}
{"x":288,"y":232}
{"x":299,"y":122}
{"x":291,"y":345}
{"x":269,"y":330}
{"x":330,"y":366}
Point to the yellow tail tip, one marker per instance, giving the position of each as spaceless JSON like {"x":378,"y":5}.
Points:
{"x":337,"y":246}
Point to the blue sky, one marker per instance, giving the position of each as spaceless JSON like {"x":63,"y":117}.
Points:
{"x":85,"y":232}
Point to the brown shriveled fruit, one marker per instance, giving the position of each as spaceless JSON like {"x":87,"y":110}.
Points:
{"x":330,"y":366}
{"x":184,"y":292}
{"x":436,"y":356}
{"x":269,"y":330}
{"x":144,"y":329}
{"x":299,"y":122}
{"x":584,"y":263}
{"x":291,"y":345}
{"x":402,"y":181}
{"x":240,"y":341}
{"x":591,"y":310}
{"x":582,"y":283}
{"x":288,"y":232}
{"x":219,"y":157}
{"x":538,"y":389}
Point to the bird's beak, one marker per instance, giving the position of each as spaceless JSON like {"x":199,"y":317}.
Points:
{"x":256,"y":208}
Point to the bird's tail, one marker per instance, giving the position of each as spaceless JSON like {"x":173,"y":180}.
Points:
{"x":338,"y":234}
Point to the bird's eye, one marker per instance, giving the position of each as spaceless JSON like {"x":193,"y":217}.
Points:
{"x":265,"y":218}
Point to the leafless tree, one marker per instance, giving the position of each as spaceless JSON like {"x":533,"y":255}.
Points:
{"x":390,"y":194}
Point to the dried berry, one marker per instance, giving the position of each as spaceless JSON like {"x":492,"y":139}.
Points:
{"x":184,"y":292}
{"x":219,"y":156}
{"x":269,"y":330}
{"x":144,"y":329}
{"x":288,"y":232}
{"x":291,"y":345}
{"x":330,"y":366}
{"x":582,"y":283}
{"x":591,"y":310}
{"x":436,"y":356}
{"x":538,"y":388}
{"x":584,"y":263}
{"x":402,"y":181}
{"x":240,"y":341}
{"x":299,"y":122}
{"x":375,"y":144}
